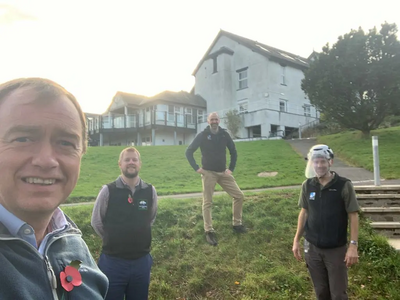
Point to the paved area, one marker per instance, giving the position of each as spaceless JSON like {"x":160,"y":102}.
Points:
{"x":395,"y":243}
{"x":358,"y":176}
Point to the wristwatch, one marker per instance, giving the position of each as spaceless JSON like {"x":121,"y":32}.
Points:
{"x":353,"y":242}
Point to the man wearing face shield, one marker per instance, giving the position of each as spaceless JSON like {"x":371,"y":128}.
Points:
{"x":328,"y":201}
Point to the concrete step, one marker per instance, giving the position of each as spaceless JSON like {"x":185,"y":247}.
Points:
{"x":378,"y":200}
{"x":383,"y":189}
{"x":395,"y":243}
{"x":382,"y":214}
{"x":388,"y":229}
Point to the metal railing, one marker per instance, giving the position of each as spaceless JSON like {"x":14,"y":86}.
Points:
{"x":140,"y":120}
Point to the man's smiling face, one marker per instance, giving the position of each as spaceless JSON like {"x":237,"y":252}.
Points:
{"x":213,"y":120}
{"x":40,"y":152}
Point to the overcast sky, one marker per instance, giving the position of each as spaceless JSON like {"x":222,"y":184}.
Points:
{"x":95,"y":48}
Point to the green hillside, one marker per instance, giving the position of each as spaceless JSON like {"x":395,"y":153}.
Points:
{"x":167,"y":168}
{"x":258,"y":265}
{"x":356,"y":150}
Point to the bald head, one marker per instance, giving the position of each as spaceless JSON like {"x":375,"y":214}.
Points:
{"x":211,"y":116}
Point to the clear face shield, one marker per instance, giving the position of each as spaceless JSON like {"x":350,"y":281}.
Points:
{"x":318,"y":165}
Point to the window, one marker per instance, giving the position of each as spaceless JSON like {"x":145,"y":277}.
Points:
{"x":307,"y":110}
{"x":171,"y":115}
{"x":178,"y":109}
{"x":200,"y":116}
{"x":282,"y":105}
{"x":242,"y":78}
{"x":283,"y":75}
{"x":243,"y":105}
{"x":215,"y":65}
{"x":189,"y":117}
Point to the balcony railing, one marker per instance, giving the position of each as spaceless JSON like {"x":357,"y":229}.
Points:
{"x":140,"y":120}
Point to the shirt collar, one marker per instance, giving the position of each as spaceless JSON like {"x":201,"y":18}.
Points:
{"x":15,"y":224}
{"x":121,"y":183}
{"x":316,"y":182}
{"x":11,"y":222}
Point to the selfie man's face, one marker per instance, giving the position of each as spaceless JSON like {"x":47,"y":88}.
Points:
{"x":40,"y":152}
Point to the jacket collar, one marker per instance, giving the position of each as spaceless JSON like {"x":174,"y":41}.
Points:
{"x":208,"y":130}
{"x":120,"y":183}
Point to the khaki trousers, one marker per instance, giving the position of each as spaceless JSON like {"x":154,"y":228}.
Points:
{"x":229,"y":185}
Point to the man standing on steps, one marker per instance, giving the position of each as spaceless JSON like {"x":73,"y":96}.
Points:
{"x":123,"y":214}
{"x":328,"y":201}
{"x":213,"y":142}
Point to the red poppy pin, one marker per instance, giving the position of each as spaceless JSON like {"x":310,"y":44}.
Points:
{"x":130,"y":199}
{"x":71,"y":277}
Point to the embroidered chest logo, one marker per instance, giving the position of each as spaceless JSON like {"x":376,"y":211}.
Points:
{"x":130,"y":199}
{"x":209,"y":137}
{"x":312,"y":196}
{"x":142,"y":205}
{"x":333,"y":190}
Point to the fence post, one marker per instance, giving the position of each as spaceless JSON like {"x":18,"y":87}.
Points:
{"x":299,"y":131}
{"x":375,"y":151}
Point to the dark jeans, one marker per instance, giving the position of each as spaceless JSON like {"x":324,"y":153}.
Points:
{"x":328,"y":272}
{"x":128,"y":278}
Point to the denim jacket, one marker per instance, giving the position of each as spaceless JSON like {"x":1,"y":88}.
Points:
{"x":27,"y":274}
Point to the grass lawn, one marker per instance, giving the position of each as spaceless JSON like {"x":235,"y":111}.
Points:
{"x":256,"y":265}
{"x":357,"y":150}
{"x":167,"y":168}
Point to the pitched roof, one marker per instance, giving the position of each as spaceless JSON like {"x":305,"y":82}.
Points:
{"x":181,"y":97}
{"x":265,"y":50}
{"x":132,"y":99}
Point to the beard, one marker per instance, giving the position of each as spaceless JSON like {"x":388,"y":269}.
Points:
{"x":128,"y":174}
{"x":214,"y":128}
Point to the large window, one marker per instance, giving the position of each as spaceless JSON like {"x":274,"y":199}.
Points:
{"x":242,"y":76}
{"x":172,"y":111}
{"x":201,"y":116}
{"x":189,"y":116}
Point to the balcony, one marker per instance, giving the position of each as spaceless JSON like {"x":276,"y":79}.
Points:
{"x":150,"y":119}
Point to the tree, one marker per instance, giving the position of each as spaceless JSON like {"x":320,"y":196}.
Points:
{"x":356,"y":82}
{"x":233,"y":122}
